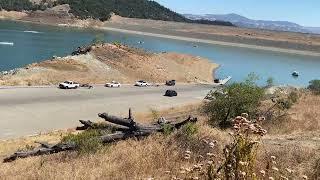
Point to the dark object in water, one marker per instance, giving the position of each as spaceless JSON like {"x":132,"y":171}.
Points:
{"x":171,"y":83}
{"x":171,"y":93}
{"x":295,"y":74}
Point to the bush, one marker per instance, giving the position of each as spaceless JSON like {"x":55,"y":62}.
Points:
{"x":86,"y":142}
{"x":314,"y":86}
{"x":235,"y":99}
{"x":167,"y":129}
{"x":189,"y":130}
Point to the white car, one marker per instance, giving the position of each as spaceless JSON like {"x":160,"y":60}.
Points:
{"x":69,"y":85}
{"x":113,"y":84}
{"x":142,"y":83}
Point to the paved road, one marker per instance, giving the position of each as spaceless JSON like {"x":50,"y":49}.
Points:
{"x":27,"y":111}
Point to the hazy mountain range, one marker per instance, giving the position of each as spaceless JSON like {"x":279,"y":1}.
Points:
{"x":242,"y":21}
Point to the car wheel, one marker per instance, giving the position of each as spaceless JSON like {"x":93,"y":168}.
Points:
{"x":111,"y":85}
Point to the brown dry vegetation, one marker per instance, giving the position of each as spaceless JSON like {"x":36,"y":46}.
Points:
{"x":110,"y":62}
{"x":294,"y":144}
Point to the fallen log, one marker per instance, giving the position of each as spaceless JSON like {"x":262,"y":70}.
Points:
{"x":41,"y":151}
{"x":91,"y":125}
{"x":130,"y":129}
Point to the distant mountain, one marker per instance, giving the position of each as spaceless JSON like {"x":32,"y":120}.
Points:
{"x":242,"y":21}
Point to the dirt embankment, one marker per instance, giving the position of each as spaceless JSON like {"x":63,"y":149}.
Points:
{"x":57,"y":16}
{"x":110,"y":62}
{"x":284,"y":40}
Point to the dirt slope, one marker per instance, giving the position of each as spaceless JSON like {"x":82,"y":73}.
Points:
{"x":110,"y":62}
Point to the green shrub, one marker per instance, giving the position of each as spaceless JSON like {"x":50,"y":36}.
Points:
{"x":314,"y":86}
{"x":189,"y":130}
{"x":86,"y":142}
{"x":167,"y":129}
{"x":234,"y":100}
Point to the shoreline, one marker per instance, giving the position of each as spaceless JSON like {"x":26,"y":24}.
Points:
{"x":221,"y":43}
{"x":174,"y":37}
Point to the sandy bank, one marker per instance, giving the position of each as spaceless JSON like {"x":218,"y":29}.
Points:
{"x":108,"y":62}
{"x":265,"y":48}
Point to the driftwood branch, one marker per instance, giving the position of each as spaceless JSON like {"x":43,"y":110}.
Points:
{"x":125,"y":128}
{"x":41,"y":151}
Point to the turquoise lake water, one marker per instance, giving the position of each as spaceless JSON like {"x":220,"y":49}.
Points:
{"x":23,"y":43}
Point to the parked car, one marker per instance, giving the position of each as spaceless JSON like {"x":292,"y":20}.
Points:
{"x":142,"y":83}
{"x":69,"y":85}
{"x":86,"y":86}
{"x":171,"y":83}
{"x":171,"y":93}
{"x":113,"y":84}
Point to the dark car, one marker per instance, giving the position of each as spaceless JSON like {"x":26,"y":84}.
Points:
{"x":171,"y":93}
{"x":171,"y":83}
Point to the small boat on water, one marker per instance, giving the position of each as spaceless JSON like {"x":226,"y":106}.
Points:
{"x":295,"y":74}
{"x":7,"y":43}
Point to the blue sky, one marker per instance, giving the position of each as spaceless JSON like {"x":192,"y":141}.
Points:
{"x":304,"y":12}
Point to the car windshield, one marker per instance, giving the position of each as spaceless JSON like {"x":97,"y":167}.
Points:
{"x":141,"y":81}
{"x":67,"y":82}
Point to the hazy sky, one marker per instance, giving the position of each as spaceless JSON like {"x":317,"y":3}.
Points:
{"x":304,"y":12}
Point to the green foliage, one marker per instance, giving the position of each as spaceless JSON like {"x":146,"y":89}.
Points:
{"x":189,"y":130}
{"x":16,"y":5}
{"x":167,"y":129}
{"x":86,"y":142}
{"x":270,"y":82}
{"x":101,"y":9}
{"x":314,"y":86}
{"x":235,"y":99}
{"x":98,"y":39}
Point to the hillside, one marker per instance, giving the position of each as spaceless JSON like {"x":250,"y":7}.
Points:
{"x":102,"y":9}
{"x":245,"y":22}
{"x":114,"y":62}
{"x":292,"y":143}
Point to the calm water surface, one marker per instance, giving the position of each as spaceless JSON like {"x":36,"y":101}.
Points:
{"x":22,"y":44}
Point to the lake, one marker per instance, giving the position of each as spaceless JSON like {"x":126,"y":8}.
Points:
{"x":24,"y":43}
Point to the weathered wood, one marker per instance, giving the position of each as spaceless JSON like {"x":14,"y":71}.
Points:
{"x":91,"y":125}
{"x":131,"y":129}
{"x":86,"y":125}
{"x":41,"y":151}
{"x":117,"y":120}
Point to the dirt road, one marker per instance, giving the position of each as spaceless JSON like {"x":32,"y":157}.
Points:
{"x":27,"y":111}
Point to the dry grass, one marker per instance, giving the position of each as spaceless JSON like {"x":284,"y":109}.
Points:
{"x":132,"y":159}
{"x":162,"y":156}
{"x":303,"y":117}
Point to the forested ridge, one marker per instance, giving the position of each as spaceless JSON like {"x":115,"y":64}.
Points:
{"x":101,"y":9}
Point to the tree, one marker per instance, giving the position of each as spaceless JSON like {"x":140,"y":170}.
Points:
{"x":235,"y":99}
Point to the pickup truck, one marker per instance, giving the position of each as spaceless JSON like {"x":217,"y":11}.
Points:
{"x":69,"y":85}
